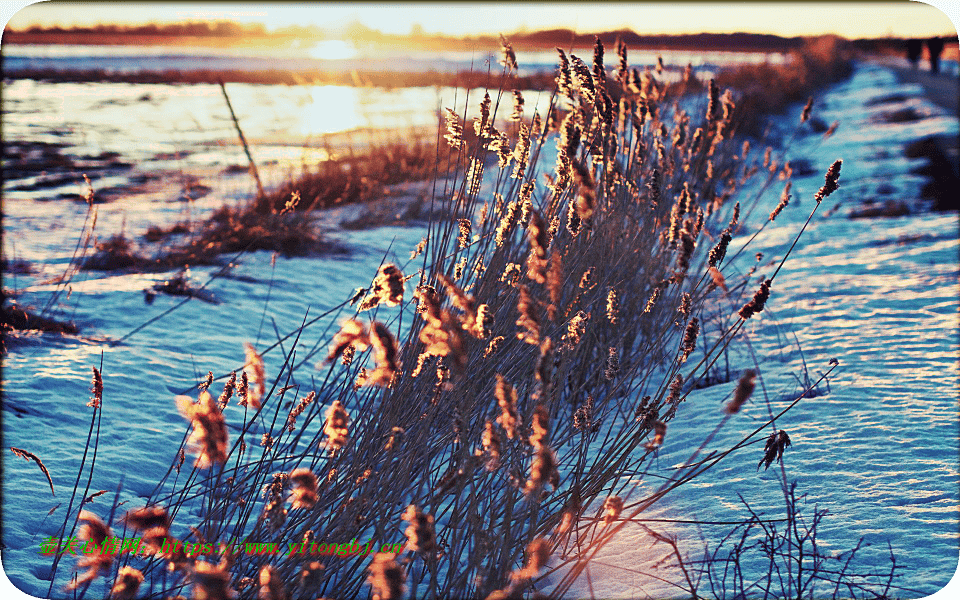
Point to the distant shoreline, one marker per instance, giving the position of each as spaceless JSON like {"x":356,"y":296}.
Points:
{"x":521,"y":41}
{"x":541,"y":40}
{"x":379,"y":79}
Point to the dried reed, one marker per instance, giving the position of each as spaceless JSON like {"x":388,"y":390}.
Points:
{"x":517,"y":434}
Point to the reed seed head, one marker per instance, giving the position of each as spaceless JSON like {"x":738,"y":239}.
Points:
{"x":538,"y":553}
{"x":719,"y":252}
{"x":454,"y":135}
{"x":493,"y":346}
{"x":613,"y":364}
{"x":659,"y":432}
{"x":686,"y":302}
{"x":612,"y":506}
{"x":576,"y":327}
{"x":298,"y":410}
{"x":95,"y":532}
{"x":492,"y":447}
{"x":501,"y":145}
{"x":305,"y":488}
{"x":420,"y":533}
{"x":127,"y":583}
{"x":481,"y":124}
{"x":544,"y":371}
{"x":266,"y":441}
{"x":528,"y":319}
{"x":210,"y":582}
{"x":714,"y":101}
{"x":583,"y":416}
{"x":336,"y":426}
{"x":830,"y":183}
{"x":255,"y":375}
{"x":743,"y":391}
{"x":540,"y":426}
{"x":652,"y":301}
{"x":521,"y":155}
{"x":831,"y":130}
{"x":517,"y":114}
{"x":484,"y":322}
{"x":538,"y":236}
{"x":209,"y":436}
{"x":646,"y":413}
{"x":96,"y":389}
{"x":555,"y":281}
{"x":784,"y":200}
{"x":805,"y":115}
{"x":587,"y":281}
{"x":574,"y":223}
{"x":274,"y":511}
{"x":689,"y":339}
{"x":717,"y":277}
{"x":507,"y":222}
{"x":674,"y":390}
{"x":567,"y":144}
{"x":228,"y":389}
{"x":586,"y":191}
{"x":149,"y":518}
{"x":584,"y":79}
{"x":463,"y":237}
{"x":353,"y":334}
{"x":686,"y":248}
{"x":385,"y":355}
{"x":599,"y":74}
{"x":506,"y":396}
{"x":509,"y":59}
{"x":271,"y":585}
{"x":386,"y":577}
{"x":773,"y":449}
{"x":388,"y":287}
{"x":543,"y":470}
{"x":474,"y":176}
{"x":622,"y":67}
{"x":759,"y":299}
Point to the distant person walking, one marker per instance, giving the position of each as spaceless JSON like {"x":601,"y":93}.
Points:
{"x":935,"y":46}
{"x":914,"y":50}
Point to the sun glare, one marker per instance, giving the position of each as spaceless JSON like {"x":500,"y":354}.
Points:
{"x":332,"y":50}
{"x":332,"y":108}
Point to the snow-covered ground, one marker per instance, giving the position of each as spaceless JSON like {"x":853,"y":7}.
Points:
{"x":879,"y":451}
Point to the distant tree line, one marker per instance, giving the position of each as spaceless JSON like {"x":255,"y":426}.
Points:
{"x":189,"y":29}
{"x":733,"y":41}
{"x":563,"y":38}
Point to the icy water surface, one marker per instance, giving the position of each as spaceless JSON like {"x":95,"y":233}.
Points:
{"x":331,"y":55}
{"x":879,"y":451}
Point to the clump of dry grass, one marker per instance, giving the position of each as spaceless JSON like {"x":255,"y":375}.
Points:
{"x":280,"y":221}
{"x":360,"y":176}
{"x":767,"y":89}
{"x":14,"y":318}
{"x":504,"y":419}
{"x":228,"y":230}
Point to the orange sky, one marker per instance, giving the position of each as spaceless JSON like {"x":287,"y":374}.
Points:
{"x":861,"y":19}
